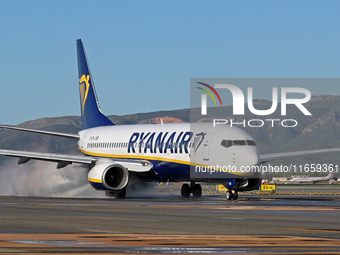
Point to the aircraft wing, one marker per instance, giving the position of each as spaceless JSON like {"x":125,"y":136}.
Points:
{"x":64,"y":160}
{"x":61,"y":159}
{"x":283,"y":155}
{"x":65,"y":135}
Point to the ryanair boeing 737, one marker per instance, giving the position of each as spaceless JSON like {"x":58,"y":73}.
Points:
{"x":186,"y":152}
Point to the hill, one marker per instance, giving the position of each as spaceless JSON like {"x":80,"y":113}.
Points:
{"x":321,"y":130}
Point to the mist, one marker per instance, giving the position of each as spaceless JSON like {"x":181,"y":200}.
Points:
{"x":42,"y":179}
{"x":141,"y":189}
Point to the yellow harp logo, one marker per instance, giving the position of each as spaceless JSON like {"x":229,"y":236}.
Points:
{"x":84,"y":86}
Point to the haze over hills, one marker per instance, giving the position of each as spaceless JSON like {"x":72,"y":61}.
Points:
{"x":321,"y":130}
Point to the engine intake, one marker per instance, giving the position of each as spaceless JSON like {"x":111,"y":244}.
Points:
{"x":116,"y":177}
{"x":108,"y":176}
{"x":252,"y":183}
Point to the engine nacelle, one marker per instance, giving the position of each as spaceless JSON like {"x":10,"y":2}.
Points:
{"x":253,"y":183}
{"x":108,"y":176}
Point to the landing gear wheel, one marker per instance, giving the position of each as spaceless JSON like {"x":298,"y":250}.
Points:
{"x":185,"y":190}
{"x":231,"y":194}
{"x":117,"y":194}
{"x":196,"y":190}
{"x":235,"y":195}
{"x":120,"y":194}
{"x":228,"y":195}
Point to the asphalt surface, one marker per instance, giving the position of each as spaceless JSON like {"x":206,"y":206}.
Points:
{"x":252,"y":217}
{"x":211,"y":214}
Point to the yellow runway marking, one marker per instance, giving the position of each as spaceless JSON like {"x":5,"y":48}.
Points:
{"x":161,"y":244}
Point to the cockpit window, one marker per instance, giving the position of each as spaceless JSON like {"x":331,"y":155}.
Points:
{"x":239,"y":142}
{"x":226,"y":143}
{"x":251,"y":143}
{"x":229,"y":143}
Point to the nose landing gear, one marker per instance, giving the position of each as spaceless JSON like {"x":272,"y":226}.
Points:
{"x":194,"y":189}
{"x":231,"y":194}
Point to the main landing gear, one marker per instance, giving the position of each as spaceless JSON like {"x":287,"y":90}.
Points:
{"x":194,"y":188}
{"x":119,"y":194}
{"x":231,"y":194}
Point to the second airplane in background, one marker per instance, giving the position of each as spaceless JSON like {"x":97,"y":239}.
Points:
{"x":302,"y":179}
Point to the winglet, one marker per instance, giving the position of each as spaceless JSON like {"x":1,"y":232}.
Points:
{"x":91,"y":115}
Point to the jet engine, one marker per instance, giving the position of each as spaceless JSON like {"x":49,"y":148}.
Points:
{"x":253,"y":183}
{"x":108,"y":176}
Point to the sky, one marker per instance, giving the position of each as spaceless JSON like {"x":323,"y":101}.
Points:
{"x":142,"y":54}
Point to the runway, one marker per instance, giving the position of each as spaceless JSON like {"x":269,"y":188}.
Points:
{"x":166,"y":224}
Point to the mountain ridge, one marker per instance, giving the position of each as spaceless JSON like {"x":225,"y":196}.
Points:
{"x":321,"y":130}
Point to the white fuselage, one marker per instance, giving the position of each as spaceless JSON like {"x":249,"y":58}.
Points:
{"x":174,"y":147}
{"x":311,"y":179}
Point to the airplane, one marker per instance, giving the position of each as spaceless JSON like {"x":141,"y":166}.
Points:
{"x":181,"y":152}
{"x":313,"y":180}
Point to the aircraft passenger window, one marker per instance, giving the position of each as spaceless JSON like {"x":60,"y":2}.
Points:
{"x":251,"y":143}
{"x":239,"y":142}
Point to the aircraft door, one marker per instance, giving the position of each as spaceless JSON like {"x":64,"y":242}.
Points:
{"x":206,"y":144}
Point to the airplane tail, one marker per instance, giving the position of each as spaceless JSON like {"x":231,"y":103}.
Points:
{"x":330,"y":175}
{"x":91,"y":115}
